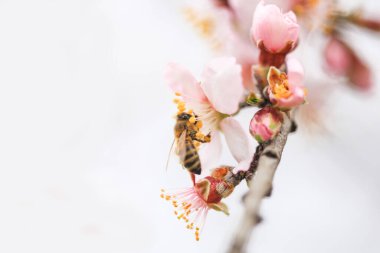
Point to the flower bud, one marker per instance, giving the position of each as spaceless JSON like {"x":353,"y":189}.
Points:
{"x":276,"y":31}
{"x":266,"y":124}
{"x":342,"y":61}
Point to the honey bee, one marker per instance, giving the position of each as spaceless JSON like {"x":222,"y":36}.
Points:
{"x":187,"y":135}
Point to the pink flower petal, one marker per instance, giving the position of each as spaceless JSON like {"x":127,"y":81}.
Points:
{"x":237,"y":140}
{"x":210,"y":152}
{"x":295,"y":71}
{"x":182,"y":81}
{"x":263,"y":131}
{"x":222,"y":83}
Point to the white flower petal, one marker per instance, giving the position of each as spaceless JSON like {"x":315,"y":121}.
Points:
{"x":182,"y":81}
{"x":243,"y":165}
{"x":223,"y":85}
{"x":210,"y":152}
{"x":237,"y":140}
{"x":295,"y":71}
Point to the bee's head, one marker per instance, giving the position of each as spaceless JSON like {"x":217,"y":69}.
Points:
{"x":184,"y":116}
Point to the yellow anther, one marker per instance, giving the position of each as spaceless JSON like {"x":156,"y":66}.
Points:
{"x":162,"y":196}
{"x":176,"y":100}
{"x":167,"y":197}
{"x":205,"y":26}
{"x":177,"y":94}
{"x":181,"y":106}
{"x":192,"y":120}
{"x":199,"y":124}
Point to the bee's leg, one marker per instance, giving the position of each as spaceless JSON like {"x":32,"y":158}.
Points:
{"x":203,"y":140}
{"x":192,"y":176}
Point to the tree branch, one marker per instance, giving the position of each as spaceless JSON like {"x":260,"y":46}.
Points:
{"x":263,"y":167}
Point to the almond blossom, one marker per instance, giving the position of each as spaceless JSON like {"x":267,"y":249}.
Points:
{"x":222,"y":91}
{"x":286,"y":90}
{"x":213,"y":99}
{"x":193,"y":204}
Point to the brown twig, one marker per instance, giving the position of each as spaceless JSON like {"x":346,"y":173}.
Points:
{"x":263,"y":168}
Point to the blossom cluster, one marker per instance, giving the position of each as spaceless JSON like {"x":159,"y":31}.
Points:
{"x":230,"y":21}
{"x":207,"y":106}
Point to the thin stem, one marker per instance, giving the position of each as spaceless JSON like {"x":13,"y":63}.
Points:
{"x":263,"y":168}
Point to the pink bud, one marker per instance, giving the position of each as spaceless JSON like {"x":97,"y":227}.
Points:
{"x":361,"y":77}
{"x":338,"y":57}
{"x":285,"y":93}
{"x":266,"y":124}
{"x":274,"y":29}
{"x":342,"y":61}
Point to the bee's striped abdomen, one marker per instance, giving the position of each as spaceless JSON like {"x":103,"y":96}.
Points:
{"x":192,"y":161}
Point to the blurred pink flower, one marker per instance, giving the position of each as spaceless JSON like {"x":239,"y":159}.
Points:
{"x":213,"y":99}
{"x":273,"y":29}
{"x":342,"y":61}
{"x":286,"y":91}
{"x":266,"y":124}
{"x":224,"y":25}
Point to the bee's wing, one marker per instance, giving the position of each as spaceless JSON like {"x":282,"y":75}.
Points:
{"x":181,"y":147}
{"x":171,"y":150}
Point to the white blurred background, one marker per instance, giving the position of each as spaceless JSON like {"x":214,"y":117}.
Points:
{"x":85,"y":129}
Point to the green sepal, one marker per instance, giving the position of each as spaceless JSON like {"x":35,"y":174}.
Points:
{"x":220,"y":207}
